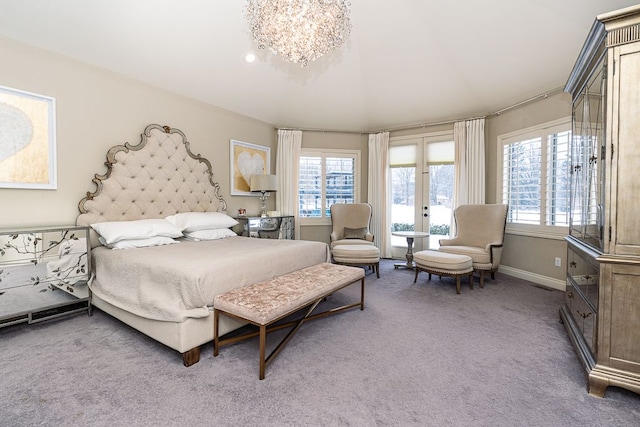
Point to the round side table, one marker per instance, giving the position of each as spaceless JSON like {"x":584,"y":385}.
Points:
{"x":410,"y":236}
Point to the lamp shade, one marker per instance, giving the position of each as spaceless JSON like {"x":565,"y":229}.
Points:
{"x":264,"y":182}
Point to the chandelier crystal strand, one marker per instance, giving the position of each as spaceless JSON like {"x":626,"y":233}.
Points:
{"x":300,"y":31}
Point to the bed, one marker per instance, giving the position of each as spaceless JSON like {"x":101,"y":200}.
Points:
{"x":166,"y":291}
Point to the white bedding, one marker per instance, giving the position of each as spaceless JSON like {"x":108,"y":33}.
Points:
{"x":176,"y":282}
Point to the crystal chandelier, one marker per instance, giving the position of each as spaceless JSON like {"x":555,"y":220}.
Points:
{"x":300,"y":31}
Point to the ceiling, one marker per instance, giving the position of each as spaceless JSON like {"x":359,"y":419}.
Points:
{"x":407,"y":62}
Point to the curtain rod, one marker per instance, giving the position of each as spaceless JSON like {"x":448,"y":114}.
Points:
{"x":526,"y":101}
{"x":359,"y":132}
{"x":445,"y":122}
{"x":424,"y":125}
{"x":495,"y":113}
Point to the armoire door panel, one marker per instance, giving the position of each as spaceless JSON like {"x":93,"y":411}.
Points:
{"x":624,"y":350}
{"x":625,"y":141}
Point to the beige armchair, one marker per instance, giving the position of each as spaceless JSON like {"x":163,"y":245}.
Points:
{"x":351,"y":240}
{"x":480,"y":235}
{"x":350,"y":224}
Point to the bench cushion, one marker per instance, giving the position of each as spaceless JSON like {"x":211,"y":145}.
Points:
{"x":443,"y":261}
{"x":264,"y":302}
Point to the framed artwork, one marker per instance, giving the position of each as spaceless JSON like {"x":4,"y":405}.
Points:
{"x":27,"y":140}
{"x":246,"y":160}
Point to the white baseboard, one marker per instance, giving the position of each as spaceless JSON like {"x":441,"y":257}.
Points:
{"x":545,"y":281}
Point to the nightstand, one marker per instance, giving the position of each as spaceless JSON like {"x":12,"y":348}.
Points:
{"x":43,"y":273}
{"x":270,"y":227}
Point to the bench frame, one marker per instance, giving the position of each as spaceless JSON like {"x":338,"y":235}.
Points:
{"x":264,"y":329}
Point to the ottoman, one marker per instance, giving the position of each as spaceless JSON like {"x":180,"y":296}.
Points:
{"x":357,"y":255}
{"x":444,"y":264}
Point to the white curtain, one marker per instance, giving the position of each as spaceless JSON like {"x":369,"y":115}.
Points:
{"x":460,"y":164}
{"x":469,"y":187}
{"x":475,"y":162}
{"x":468,"y":138}
{"x":378,"y":188}
{"x":287,"y":169}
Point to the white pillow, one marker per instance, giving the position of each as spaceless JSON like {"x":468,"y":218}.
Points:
{"x":140,"y":243}
{"x":194,"y":221}
{"x":219,"y":233}
{"x":115,"y":231}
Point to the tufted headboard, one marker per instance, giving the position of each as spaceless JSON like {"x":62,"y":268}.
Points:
{"x":158,"y":177}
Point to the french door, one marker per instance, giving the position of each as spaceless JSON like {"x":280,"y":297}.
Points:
{"x":421,"y":190}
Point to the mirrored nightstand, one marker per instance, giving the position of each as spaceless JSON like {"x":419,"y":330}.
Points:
{"x":43,"y":273}
{"x":270,"y":227}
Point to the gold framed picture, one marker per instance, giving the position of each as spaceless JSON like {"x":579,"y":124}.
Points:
{"x":27,"y":140}
{"x":247,"y":159}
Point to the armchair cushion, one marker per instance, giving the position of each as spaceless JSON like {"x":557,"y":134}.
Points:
{"x":478,"y":255}
{"x":355,"y":233}
{"x":351,"y":242}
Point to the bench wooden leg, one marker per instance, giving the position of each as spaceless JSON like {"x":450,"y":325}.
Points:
{"x":263,"y":339}
{"x":263,"y":345}
{"x":216,"y":338}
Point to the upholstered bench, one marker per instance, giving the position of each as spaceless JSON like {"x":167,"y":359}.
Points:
{"x":262,"y":304}
{"x":357,"y":255}
{"x":444,"y":264}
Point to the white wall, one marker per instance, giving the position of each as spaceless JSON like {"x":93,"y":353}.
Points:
{"x":97,"y":109}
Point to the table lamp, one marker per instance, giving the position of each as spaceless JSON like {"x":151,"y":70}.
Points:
{"x":264,"y":184}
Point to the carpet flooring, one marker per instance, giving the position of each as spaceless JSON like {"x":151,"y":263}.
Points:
{"x":418,"y":355}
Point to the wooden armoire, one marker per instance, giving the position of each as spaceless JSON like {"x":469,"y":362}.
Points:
{"x":602,"y":305}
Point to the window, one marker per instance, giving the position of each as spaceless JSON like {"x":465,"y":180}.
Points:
{"x":535,"y":177}
{"x":327,"y":177}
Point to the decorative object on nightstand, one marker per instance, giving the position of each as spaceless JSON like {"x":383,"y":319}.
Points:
{"x":43,"y":273}
{"x":264,"y":184}
{"x":602,"y":302}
